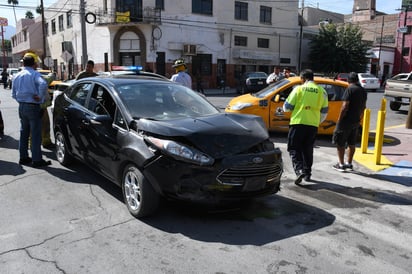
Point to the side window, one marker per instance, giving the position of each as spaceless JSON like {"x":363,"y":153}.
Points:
{"x":101,"y":102}
{"x":335,"y":93}
{"x":119,"y":120}
{"x":79,"y":93}
{"x":285,"y":93}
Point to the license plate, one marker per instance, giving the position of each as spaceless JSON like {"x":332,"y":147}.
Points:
{"x":260,"y":82}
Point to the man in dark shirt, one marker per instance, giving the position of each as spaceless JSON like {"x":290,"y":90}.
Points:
{"x":88,"y":72}
{"x":351,"y":113}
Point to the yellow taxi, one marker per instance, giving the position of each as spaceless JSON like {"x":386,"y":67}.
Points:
{"x":268,"y":103}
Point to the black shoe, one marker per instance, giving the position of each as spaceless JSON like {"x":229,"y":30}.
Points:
{"x":307,"y":178}
{"x":25,"y":161}
{"x":299,"y":177}
{"x":339,"y":167}
{"x":348,"y":167}
{"x":41,"y":163}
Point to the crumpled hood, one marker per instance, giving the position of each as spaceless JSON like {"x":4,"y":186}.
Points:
{"x":217,"y":135}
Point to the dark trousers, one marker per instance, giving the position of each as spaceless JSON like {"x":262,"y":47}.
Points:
{"x":301,"y":139}
{"x":1,"y":124}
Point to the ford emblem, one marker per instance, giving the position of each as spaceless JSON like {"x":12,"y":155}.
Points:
{"x":257,"y":160}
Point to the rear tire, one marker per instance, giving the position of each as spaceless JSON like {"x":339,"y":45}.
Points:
{"x":139,"y":195}
{"x":394,"y":105}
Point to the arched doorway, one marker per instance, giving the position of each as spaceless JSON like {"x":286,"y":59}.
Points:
{"x":129,"y":47}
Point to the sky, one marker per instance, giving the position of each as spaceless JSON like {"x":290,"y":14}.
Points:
{"x":387,"y":6}
{"x":345,"y":7}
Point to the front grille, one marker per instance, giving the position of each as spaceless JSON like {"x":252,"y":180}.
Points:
{"x":237,"y":176}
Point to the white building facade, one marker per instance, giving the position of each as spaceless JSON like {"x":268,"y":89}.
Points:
{"x":217,"y":39}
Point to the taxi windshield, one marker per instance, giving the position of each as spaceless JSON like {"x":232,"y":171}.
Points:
{"x":271,"y":88}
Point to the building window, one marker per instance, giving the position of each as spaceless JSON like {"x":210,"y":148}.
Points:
{"x":53,"y":26}
{"x":285,"y":60}
{"x":263,"y":43}
{"x":265,"y":15}
{"x":160,"y":4}
{"x":241,"y":11}
{"x":24,"y":35}
{"x":202,"y":7}
{"x":61,"y":22}
{"x":46,"y":29}
{"x":69,"y":19}
{"x":241,"y":41}
{"x":129,"y":10}
{"x":405,"y":52}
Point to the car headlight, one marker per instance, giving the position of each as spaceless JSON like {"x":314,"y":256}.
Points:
{"x":181,"y":152}
{"x":240,"y":106}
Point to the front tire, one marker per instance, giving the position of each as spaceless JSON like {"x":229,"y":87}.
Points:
{"x":139,"y":195}
{"x":394,"y":105}
{"x":62,"y":154}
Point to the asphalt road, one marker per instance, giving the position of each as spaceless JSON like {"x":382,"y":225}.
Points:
{"x":71,"y":220}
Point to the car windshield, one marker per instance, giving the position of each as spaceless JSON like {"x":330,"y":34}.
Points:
{"x":270,"y":89}
{"x":163,"y":101}
{"x":367,"y":75}
{"x":257,"y":75}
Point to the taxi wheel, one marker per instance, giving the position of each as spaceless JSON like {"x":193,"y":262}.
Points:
{"x":139,"y":195}
{"x":394,"y":105}
{"x":62,"y":154}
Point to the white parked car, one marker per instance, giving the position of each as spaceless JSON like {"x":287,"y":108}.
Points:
{"x":369,"y":81}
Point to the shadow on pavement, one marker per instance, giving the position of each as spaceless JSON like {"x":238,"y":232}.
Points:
{"x":336,"y":192}
{"x":257,"y":222}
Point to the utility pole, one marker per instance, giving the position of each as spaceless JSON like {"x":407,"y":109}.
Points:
{"x":83,"y":31}
{"x":44,"y":34}
{"x":3,"y":23}
{"x":380,"y":48}
{"x":300,"y":37}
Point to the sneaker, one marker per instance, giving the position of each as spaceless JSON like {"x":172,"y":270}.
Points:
{"x":348,"y":166}
{"x":299,"y":177}
{"x":41,"y":163}
{"x":339,"y":167}
{"x":25,"y":161}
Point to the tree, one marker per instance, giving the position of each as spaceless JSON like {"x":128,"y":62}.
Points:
{"x":39,"y":9}
{"x":14,"y":3}
{"x":29,"y":15}
{"x":339,"y":49}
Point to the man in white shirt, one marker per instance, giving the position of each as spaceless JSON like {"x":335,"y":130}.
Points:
{"x":275,"y":76}
{"x":181,"y":76}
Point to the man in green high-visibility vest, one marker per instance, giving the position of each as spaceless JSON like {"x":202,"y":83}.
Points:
{"x":308,"y":104}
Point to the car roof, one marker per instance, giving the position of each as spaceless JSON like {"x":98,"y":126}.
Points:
{"x":124,"y":79}
{"x":318,"y":79}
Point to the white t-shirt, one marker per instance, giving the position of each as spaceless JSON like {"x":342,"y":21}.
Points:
{"x":183,"y":78}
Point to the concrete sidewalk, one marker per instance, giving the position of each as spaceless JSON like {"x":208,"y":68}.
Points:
{"x":396,"y":159}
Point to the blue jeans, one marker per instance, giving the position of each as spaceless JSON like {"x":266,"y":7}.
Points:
{"x":30,"y":122}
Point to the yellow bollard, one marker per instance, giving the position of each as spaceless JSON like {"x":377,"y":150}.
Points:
{"x":379,"y":136}
{"x":383,"y":104}
{"x":365,"y":130}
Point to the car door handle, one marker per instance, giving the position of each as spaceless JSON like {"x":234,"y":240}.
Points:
{"x":86,"y":122}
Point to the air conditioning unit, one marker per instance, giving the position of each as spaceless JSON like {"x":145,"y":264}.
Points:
{"x":189,"y":49}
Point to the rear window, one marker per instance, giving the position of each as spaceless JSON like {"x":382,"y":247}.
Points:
{"x":367,"y":75}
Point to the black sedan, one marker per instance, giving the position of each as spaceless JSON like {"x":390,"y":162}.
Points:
{"x":252,"y":81}
{"x":158,"y":139}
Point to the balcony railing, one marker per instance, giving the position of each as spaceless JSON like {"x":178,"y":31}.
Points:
{"x":149,"y":15}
